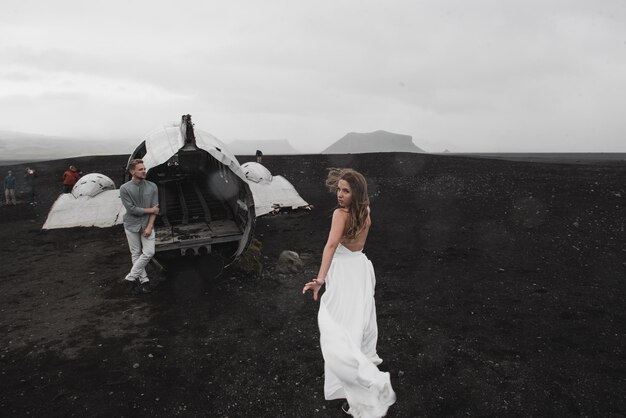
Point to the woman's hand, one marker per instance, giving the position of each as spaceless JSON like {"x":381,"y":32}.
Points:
{"x":315,"y":285}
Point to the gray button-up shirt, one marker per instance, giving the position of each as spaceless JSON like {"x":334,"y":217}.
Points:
{"x":135,"y":198}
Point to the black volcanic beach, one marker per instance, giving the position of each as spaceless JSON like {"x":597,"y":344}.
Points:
{"x":501,"y":291}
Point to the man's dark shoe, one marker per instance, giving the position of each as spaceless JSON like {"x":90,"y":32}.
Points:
{"x":145,"y":287}
{"x":130,"y":286}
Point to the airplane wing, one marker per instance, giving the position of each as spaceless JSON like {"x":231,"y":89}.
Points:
{"x":270,"y":192}
{"x":94,"y":201}
{"x":103,"y":210}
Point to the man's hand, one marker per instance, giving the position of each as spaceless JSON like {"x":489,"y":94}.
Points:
{"x":154,"y":210}
{"x":147,"y":231}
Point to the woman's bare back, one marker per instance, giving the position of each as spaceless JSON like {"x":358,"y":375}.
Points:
{"x":358,"y":243}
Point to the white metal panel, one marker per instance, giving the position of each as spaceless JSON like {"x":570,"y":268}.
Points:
{"x":92,"y":184}
{"x":164,"y":142}
{"x":256,"y":172}
{"x":103,"y":210}
{"x":278,"y":193}
{"x":161,"y":144}
{"x":219,"y":151}
{"x":270,"y":192}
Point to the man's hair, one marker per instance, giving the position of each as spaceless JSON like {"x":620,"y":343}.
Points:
{"x":133,"y":163}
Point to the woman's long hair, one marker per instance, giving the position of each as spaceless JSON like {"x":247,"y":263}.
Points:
{"x":359,"y":200}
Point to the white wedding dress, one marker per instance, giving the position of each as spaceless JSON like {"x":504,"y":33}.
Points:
{"x":348,"y":335}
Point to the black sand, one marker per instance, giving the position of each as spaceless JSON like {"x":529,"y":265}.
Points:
{"x":501,"y":292}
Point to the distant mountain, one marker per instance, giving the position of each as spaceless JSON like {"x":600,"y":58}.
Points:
{"x":26,"y":147}
{"x":379,"y":141}
{"x":268,"y":146}
{"x":21,"y":146}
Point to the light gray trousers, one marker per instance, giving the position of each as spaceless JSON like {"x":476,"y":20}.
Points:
{"x":141,"y":251}
{"x":10,"y":196}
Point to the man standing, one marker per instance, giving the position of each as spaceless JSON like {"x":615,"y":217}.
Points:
{"x":9,"y":188}
{"x":70,"y":177}
{"x":140,"y":197}
{"x":29,"y":180}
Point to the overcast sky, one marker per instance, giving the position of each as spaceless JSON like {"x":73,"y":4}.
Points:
{"x":470,"y":76}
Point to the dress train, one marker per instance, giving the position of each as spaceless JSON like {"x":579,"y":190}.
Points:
{"x":348,"y":336}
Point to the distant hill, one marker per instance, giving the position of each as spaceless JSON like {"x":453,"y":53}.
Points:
{"x":16,"y":147}
{"x":20,"y":146}
{"x":378,"y":141}
{"x":268,"y":146}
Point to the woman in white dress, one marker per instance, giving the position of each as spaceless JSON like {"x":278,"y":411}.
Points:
{"x":347,"y":314}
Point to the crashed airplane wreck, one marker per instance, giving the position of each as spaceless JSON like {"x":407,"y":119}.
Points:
{"x":208,"y":201}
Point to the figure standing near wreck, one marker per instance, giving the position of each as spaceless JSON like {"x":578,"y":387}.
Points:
{"x":347,"y":313}
{"x":30,"y":178}
{"x":9,"y":188}
{"x":140,"y":197}
{"x":70,"y":177}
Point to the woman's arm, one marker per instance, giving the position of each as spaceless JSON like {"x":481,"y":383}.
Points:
{"x":337,"y":229}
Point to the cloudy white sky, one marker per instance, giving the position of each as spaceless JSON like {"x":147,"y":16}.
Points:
{"x":470,"y":76}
